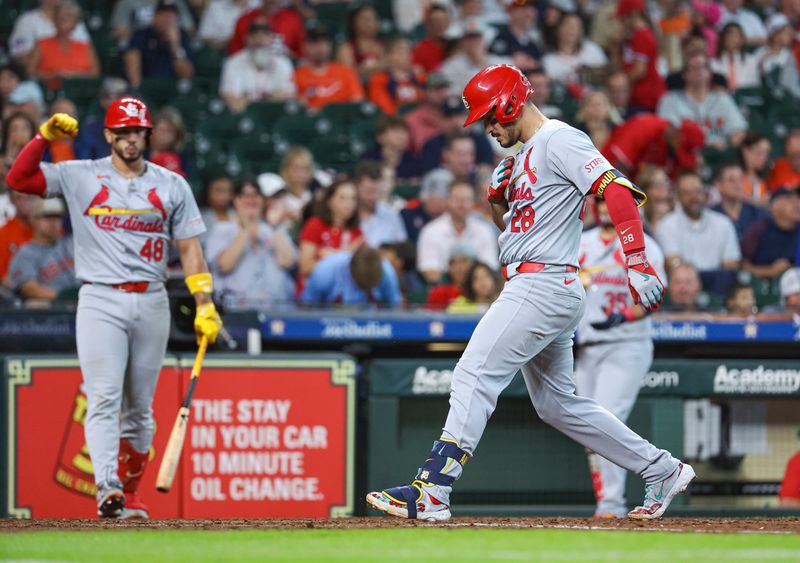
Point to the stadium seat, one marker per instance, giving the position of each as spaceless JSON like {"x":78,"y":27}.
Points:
{"x":301,"y":129}
{"x":345,"y":114}
{"x":83,"y":91}
{"x":406,"y":191}
{"x":267,"y":113}
{"x":333,"y":151}
{"x":225,"y":129}
{"x":208,"y":62}
{"x":333,"y":16}
{"x":255,"y":152}
{"x":157,"y":92}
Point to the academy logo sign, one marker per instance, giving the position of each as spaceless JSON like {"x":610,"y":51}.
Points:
{"x":431,"y":382}
{"x":759,"y":380}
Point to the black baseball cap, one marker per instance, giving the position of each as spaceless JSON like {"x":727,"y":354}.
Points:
{"x":783,"y":191}
{"x":453,"y":105}
{"x":258,"y":24}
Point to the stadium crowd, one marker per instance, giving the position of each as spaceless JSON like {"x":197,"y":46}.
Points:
{"x":324,"y":140}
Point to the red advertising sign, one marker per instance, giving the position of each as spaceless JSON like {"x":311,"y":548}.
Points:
{"x":268,"y":437}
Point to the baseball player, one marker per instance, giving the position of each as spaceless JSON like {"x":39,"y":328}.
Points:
{"x":615,"y":347}
{"x":125,"y":213}
{"x":537,"y":201}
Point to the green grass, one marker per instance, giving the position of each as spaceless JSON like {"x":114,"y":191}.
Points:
{"x":396,"y":545}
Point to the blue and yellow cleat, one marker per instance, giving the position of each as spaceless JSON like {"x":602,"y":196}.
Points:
{"x":421,"y":501}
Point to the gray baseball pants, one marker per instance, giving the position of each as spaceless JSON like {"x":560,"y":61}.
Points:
{"x":122,"y":339}
{"x":530,"y":327}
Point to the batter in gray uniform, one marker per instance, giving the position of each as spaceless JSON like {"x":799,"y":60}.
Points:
{"x":537,"y":200}
{"x":125,"y":213}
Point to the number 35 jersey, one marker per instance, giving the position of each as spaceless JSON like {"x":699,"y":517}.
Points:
{"x":122,"y":228}
{"x":554,"y":170}
{"x":603,"y":262}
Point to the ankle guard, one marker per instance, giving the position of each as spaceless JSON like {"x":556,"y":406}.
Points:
{"x":131,"y":466}
{"x":444,"y":464}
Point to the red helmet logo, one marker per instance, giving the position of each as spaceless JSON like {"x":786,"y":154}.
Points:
{"x":500,"y":87}
{"x":127,"y":112}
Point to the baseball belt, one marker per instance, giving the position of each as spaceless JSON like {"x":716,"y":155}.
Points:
{"x":511,"y":270}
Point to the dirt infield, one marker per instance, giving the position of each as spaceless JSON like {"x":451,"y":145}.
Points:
{"x":706,"y":525}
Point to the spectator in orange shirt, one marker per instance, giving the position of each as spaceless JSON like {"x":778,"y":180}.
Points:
{"x":285,"y":22}
{"x":430,"y":51}
{"x":61,"y":56}
{"x":400,"y":83}
{"x":786,"y":172}
{"x":17,"y":231}
{"x":320,"y":81}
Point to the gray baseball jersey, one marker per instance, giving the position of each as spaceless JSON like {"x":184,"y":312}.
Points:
{"x":608,"y":293}
{"x":123,"y":227}
{"x":52,"y":266}
{"x":553,"y":172}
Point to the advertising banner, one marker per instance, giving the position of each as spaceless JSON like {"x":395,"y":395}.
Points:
{"x":268,"y":437}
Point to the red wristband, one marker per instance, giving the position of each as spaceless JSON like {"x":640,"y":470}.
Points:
{"x":631,"y":235}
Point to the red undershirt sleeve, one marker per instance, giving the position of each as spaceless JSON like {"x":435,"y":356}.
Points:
{"x":25,"y":174}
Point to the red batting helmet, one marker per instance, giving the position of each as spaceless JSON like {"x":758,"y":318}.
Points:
{"x":502,"y":87}
{"x":127,"y":112}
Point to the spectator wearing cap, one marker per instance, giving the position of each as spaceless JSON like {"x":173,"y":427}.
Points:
{"x":44,"y":266}
{"x":286,"y":23}
{"x":739,"y":67}
{"x":441,"y":150}
{"x":715,"y":111}
{"x":357,"y":278}
{"x":400,"y":83}
{"x":90,"y":142}
{"x":470,"y":57}
{"x":16,"y":231}
{"x":456,"y":225}
{"x":19,"y":94}
{"x":61,"y":56}
{"x":521,"y":39}
{"x":786,"y":171}
{"x":319,"y":80}
{"x":649,"y":139}
{"x":431,"y":204}
{"x":130,"y":16}
{"x":461,"y":259}
{"x":427,"y":119}
{"x":162,"y":50}
{"x":36,"y":24}
{"x":218,"y":21}
{"x":693,"y":233}
{"x":770,"y":246}
{"x":729,"y":182}
{"x":250,"y":259}
{"x":575,"y":57}
{"x":638,"y":55}
{"x":542,"y":92}
{"x":776,"y":60}
{"x":430,"y":51}
{"x":732,"y":12}
{"x":258,"y":73}
{"x":393,"y":150}
{"x":380,"y":222}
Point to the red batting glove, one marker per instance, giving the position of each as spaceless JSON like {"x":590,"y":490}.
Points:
{"x":500,"y":180}
{"x":643,"y":281}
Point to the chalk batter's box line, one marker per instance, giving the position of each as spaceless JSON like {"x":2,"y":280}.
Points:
{"x":343,"y":373}
{"x":19,"y":372}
